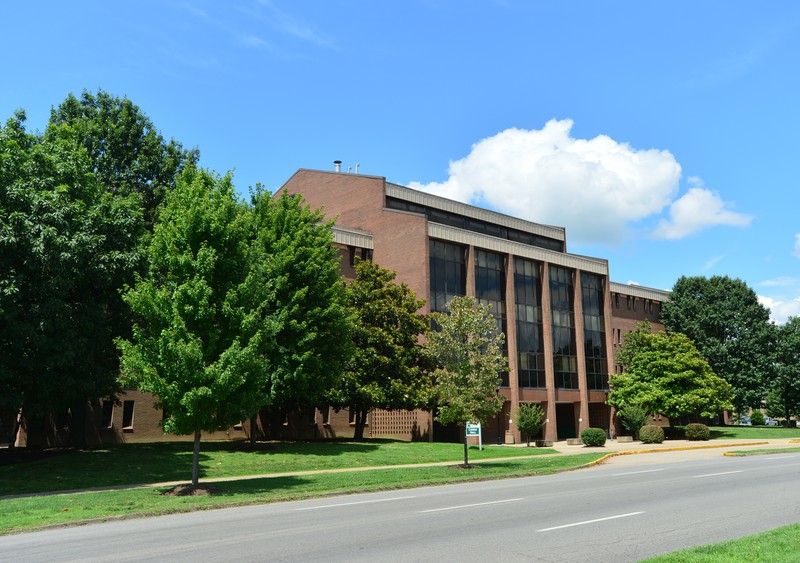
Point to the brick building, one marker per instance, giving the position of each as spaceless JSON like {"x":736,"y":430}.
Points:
{"x":562,"y":316}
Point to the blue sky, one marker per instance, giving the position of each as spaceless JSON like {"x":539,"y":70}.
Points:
{"x":662,"y":135}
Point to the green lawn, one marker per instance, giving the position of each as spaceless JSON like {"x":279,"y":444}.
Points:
{"x":781,"y":545}
{"x":125,"y":464}
{"x":31,"y":512}
{"x":752,"y":432}
{"x":765,"y":451}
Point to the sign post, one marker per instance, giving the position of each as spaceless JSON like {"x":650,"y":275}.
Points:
{"x":474,"y":429}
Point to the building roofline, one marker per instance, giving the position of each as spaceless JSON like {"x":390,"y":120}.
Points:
{"x":467,"y":210}
{"x":640,"y":291}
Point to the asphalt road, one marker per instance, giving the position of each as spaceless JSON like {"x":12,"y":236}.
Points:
{"x":617,"y":512}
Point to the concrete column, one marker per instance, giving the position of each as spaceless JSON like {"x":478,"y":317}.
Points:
{"x":580,"y":352}
{"x":550,"y":428}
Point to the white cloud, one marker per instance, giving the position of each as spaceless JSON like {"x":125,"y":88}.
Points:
{"x":713,"y":262}
{"x":695,"y":211}
{"x":781,"y":281}
{"x":780,"y":311}
{"x":597,"y":188}
{"x":796,"y":252}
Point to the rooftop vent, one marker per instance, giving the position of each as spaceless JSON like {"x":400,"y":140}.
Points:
{"x":337,"y":165}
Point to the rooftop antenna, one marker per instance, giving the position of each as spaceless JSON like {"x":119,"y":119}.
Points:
{"x":337,"y":165}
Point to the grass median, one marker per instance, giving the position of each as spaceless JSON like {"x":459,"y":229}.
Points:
{"x":781,"y":545}
{"x":231,"y":461}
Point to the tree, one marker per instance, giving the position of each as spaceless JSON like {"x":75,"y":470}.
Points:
{"x":633,"y":417}
{"x":467,"y":348}
{"x":198,"y":344}
{"x":127,"y":152}
{"x":240,"y":308}
{"x":664,"y":373}
{"x":730,"y":329}
{"x":65,"y":246}
{"x":530,"y":418}
{"x":295,"y":258}
{"x":77,"y":203}
{"x":387,"y":367}
{"x":783,"y":399}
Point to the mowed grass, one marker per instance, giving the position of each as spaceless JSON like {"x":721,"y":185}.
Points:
{"x":766,"y":451}
{"x":752,"y":432}
{"x":20,"y":514}
{"x":781,"y":545}
{"x":127,"y":464}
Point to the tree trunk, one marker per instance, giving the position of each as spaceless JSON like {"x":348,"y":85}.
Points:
{"x":196,"y":459}
{"x":253,"y":429}
{"x":361,"y":422}
{"x":12,"y":443}
{"x":77,"y":424}
{"x":466,"y":447}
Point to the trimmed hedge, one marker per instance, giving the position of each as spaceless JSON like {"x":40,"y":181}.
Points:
{"x":696,"y":431}
{"x":651,"y":434}
{"x":757,"y":418}
{"x":593,"y":437}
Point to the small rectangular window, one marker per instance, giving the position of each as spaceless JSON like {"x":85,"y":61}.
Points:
{"x":127,"y":415}
{"x":108,"y":414}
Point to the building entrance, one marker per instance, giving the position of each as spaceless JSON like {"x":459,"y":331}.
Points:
{"x":565,"y":421}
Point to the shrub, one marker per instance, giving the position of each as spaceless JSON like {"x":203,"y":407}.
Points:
{"x":757,"y":418}
{"x":632,"y":418}
{"x":530,"y":417}
{"x":593,"y":437}
{"x":651,"y":434}
{"x":696,"y":431}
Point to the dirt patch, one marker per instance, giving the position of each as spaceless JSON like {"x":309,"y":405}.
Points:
{"x":186,"y":490}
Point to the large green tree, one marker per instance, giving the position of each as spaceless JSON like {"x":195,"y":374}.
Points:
{"x":198,"y":343}
{"x":295,"y":258}
{"x":127,"y":152}
{"x":240,"y":307}
{"x":467,"y":348}
{"x":387,"y":367}
{"x":730,"y":328}
{"x":783,"y":398}
{"x":66,"y":246}
{"x":664,"y":373}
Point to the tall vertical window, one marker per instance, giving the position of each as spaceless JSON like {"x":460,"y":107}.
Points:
{"x":448,"y":267}
{"x":127,"y":415}
{"x":490,"y":289}
{"x":530,"y":342}
{"x":594,"y":331}
{"x":562,"y":305}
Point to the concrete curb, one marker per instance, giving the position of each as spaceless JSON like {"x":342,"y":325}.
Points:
{"x":675,"y":449}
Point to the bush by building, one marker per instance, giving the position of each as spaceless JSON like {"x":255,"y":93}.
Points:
{"x":651,"y":434}
{"x":593,"y":437}
{"x":697,"y":432}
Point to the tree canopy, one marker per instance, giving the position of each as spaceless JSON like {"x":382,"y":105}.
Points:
{"x":664,"y":373}
{"x":783,"y":398}
{"x":387,"y":368}
{"x":730,"y":328}
{"x":127,"y":152}
{"x":66,"y":246}
{"x":240,"y":309}
{"x":467,"y":348}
